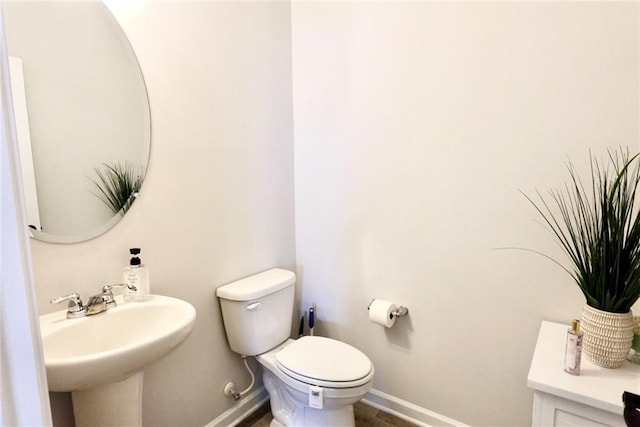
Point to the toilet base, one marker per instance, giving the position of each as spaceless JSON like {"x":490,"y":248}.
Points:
{"x":342,"y":417}
{"x":287,"y":411}
{"x":309,"y":417}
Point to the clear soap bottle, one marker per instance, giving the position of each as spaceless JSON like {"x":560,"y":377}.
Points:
{"x":136,"y":278}
{"x":573,"y":350}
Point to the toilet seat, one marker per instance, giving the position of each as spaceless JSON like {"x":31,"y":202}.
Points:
{"x":325,"y":362}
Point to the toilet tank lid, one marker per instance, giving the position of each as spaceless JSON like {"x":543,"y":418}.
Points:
{"x":257,"y":286}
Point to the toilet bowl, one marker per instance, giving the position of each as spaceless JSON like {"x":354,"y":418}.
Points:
{"x":293,"y":371}
{"x":311,"y":381}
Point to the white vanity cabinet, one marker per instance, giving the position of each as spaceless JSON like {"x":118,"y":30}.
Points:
{"x":594,"y":398}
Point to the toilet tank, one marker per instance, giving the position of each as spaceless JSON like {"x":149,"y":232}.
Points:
{"x":257,"y":310}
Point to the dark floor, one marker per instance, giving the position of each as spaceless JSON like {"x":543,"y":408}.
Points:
{"x":366,"y":416}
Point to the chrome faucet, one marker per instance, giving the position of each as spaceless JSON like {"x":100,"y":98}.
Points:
{"x":96,"y":304}
{"x":105,"y":299}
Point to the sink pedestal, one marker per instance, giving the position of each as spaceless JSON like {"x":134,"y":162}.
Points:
{"x":115,"y":404}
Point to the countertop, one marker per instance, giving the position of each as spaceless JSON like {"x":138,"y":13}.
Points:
{"x":598,"y":387}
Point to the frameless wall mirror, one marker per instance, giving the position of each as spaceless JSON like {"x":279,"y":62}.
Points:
{"x":82,"y":116}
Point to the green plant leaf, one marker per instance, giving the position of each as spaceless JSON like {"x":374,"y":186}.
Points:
{"x":117,"y":185}
{"x":599,"y":230}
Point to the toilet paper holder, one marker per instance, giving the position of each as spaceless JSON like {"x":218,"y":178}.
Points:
{"x":400,"y":312}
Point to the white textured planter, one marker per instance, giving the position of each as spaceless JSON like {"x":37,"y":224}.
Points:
{"x":607,"y":336}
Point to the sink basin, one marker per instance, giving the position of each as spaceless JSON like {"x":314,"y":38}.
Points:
{"x":114,"y":345}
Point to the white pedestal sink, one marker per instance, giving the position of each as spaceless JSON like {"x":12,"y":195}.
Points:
{"x":101,"y":358}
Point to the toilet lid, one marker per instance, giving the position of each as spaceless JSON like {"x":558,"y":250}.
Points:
{"x":324,"y":361}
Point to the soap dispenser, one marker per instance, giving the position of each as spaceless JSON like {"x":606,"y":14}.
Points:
{"x":135,"y":276}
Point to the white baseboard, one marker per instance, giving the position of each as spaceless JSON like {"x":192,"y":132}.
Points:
{"x":377,"y":399}
{"x":242,"y":409}
{"x":407,"y":410}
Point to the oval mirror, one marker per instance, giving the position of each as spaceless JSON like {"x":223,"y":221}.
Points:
{"x":82,"y":116}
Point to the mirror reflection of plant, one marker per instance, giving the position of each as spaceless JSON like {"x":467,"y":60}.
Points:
{"x":118,"y":184}
{"x":598,"y":227}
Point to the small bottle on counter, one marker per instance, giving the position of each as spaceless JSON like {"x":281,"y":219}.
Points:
{"x":573,"y":350}
{"x":136,"y":278}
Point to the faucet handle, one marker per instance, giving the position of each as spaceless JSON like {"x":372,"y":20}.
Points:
{"x":74,"y":300}
{"x":108,"y":294}
{"x":74,"y":308}
{"x":107,"y":288}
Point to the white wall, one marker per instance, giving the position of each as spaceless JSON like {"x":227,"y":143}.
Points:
{"x":217,"y":204}
{"x":415,"y":125}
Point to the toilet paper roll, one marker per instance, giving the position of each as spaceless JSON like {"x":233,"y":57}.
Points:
{"x":380,"y":312}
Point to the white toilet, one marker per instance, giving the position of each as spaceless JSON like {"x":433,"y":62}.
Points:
{"x":312,"y":381}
